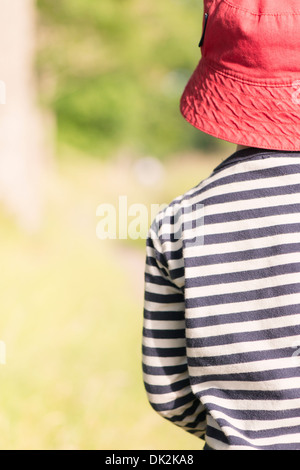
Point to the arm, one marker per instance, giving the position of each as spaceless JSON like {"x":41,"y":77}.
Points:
{"x":165,"y":369}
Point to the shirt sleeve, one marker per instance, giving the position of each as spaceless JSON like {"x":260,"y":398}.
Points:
{"x":165,"y":369}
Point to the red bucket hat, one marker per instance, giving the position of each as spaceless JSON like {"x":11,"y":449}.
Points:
{"x":246,"y":87}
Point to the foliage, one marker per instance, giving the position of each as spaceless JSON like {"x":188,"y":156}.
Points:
{"x":113,"y":72}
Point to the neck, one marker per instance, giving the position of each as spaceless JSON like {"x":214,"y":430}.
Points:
{"x":241,"y":147}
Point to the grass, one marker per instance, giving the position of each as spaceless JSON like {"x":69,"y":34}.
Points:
{"x":71,"y":317}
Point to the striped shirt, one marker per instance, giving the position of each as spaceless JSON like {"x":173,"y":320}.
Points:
{"x":221,"y":336}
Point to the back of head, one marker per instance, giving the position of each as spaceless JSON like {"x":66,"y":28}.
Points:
{"x":246,"y":87}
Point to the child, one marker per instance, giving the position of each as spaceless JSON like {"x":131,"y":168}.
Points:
{"x":221,"y":338}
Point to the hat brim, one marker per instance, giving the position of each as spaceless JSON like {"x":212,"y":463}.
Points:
{"x":262,"y":114}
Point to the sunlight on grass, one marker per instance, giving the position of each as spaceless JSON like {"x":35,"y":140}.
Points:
{"x":71,"y":318}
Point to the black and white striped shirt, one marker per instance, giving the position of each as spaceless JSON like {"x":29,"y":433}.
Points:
{"x":221,"y":337}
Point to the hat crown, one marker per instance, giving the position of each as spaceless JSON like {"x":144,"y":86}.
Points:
{"x":260,"y":39}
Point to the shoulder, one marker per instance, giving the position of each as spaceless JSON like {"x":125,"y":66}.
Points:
{"x":174,"y":224}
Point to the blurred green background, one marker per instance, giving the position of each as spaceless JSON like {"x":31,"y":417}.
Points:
{"x":109,"y":75}
{"x":113,"y":71}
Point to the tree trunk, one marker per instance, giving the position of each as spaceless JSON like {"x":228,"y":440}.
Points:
{"x":22,"y":157}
